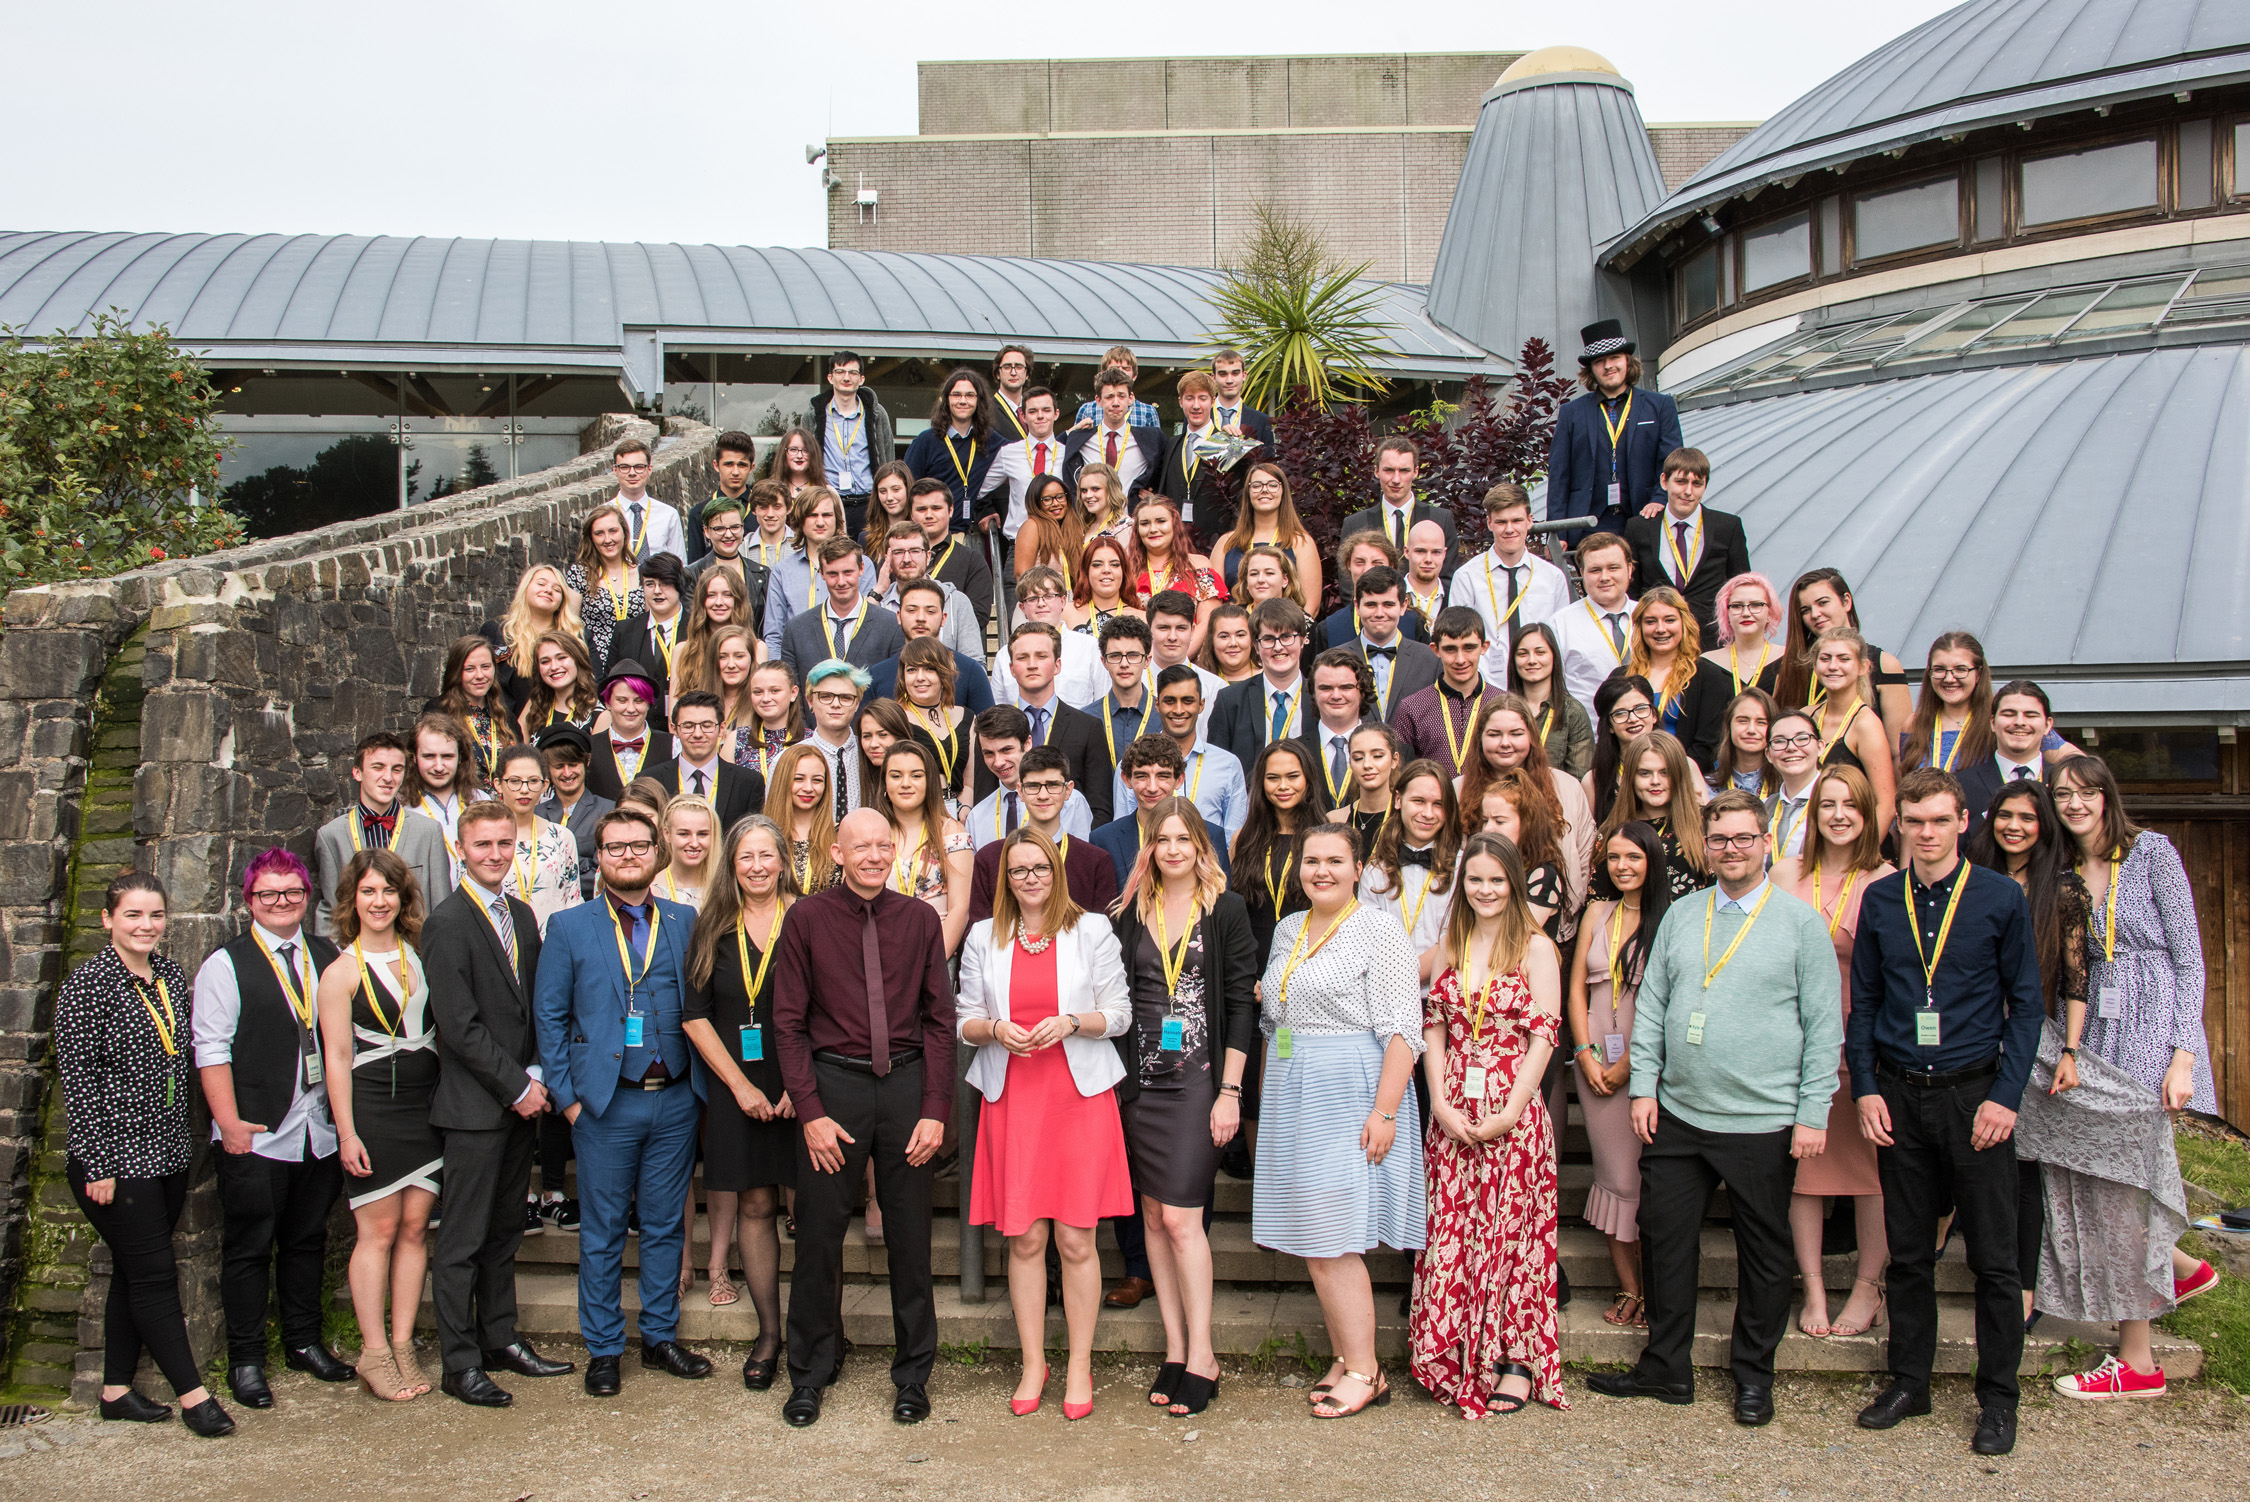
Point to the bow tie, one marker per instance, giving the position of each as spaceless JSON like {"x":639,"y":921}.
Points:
{"x":386,"y":822}
{"x":1407,"y":857}
{"x":632,"y":745}
{"x":1375,"y":652}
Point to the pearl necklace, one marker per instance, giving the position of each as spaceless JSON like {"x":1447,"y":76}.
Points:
{"x":1033,"y":946}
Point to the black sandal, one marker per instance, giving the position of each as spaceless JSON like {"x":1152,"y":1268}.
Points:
{"x":1167,"y":1382}
{"x":1194,"y":1396}
{"x":758,"y":1374}
{"x":1504,"y":1403}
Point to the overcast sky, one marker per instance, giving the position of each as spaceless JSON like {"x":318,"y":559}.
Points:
{"x":672,"y":120}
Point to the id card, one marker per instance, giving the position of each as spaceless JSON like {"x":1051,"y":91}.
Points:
{"x":1472,"y":1084}
{"x":753,"y":1045}
{"x":2110,"y":1005}
{"x":315,"y":1070}
{"x":1284,"y":1046}
{"x":1613,"y":1047}
{"x":1695,"y":1021}
{"x":1616,"y":495}
{"x":1926,"y":1029}
{"x":1175,"y":1035}
{"x":633,"y":1022}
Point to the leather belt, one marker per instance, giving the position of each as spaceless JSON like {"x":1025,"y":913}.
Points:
{"x":1926,"y":1081}
{"x":666,"y":1083}
{"x":866,"y":1066}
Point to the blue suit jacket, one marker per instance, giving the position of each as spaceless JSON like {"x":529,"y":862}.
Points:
{"x":1578,"y":455}
{"x":579,"y":999}
{"x":1120,"y":840}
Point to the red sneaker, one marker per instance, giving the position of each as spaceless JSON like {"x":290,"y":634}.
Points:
{"x":2112,"y":1379}
{"x":2202,"y":1280}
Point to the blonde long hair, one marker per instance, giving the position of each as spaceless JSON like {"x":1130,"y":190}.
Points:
{"x":699,"y":878}
{"x":1684,"y":656}
{"x":1516,"y":925}
{"x":1683,"y":813}
{"x":820,"y":865}
{"x":1144,"y":888}
{"x":521,"y":628}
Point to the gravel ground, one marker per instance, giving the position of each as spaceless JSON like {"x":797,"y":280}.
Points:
{"x":667,"y":1439}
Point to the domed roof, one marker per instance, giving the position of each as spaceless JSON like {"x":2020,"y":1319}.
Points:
{"x":1983,"y":63}
{"x":1546,"y":63}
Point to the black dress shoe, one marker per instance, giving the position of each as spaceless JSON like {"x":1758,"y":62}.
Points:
{"x":758,"y":1375}
{"x":1996,"y":1432}
{"x":602,"y":1378}
{"x":1753,"y":1406}
{"x":320,"y":1361}
{"x":476,"y":1389}
{"x":521,"y":1359}
{"x":803,"y":1407}
{"x":913,"y":1403}
{"x":208,"y":1419}
{"x":248,"y":1384}
{"x":1898,"y":1401}
{"x":1631,"y":1385}
{"x":676,"y":1359}
{"x":135,"y":1409}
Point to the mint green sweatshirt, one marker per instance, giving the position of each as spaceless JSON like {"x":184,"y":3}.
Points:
{"x":1773,"y":1020}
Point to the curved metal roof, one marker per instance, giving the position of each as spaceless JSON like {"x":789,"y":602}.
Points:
{"x":1984,"y":63}
{"x":1558,"y":164}
{"x":2088,"y":519}
{"x":344,"y":299}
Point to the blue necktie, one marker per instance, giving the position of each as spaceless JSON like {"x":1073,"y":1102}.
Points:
{"x":1039,"y":727}
{"x":1280,"y":716}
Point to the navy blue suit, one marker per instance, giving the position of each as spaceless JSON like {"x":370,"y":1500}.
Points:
{"x":631,"y":1143}
{"x":1578,"y":457}
{"x":1120,"y":840}
{"x":972,"y":686}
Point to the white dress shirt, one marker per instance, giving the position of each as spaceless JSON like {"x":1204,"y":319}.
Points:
{"x":1014,"y":466}
{"x":2010,"y":767}
{"x":1788,"y":815}
{"x":658,"y":527}
{"x":843,"y":769}
{"x":1079,"y":680}
{"x":1482,"y":585}
{"x":1297,"y":690}
{"x":710,"y":771}
{"x":1129,"y":465}
{"x":1397,"y":521}
{"x":218,"y":1012}
{"x":1743,"y":904}
{"x":988,"y":821}
{"x":1589,"y":653}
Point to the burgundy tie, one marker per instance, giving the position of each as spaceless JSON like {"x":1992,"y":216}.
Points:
{"x":1111,"y":450}
{"x":878,"y":1021}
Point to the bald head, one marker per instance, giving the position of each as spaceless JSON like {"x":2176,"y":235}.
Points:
{"x":863,"y":850}
{"x":1425,"y":554}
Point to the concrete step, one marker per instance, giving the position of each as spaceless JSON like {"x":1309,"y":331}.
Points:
{"x":1249,"y":1322}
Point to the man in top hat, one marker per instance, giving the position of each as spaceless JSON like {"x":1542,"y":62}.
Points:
{"x":1610,"y":443}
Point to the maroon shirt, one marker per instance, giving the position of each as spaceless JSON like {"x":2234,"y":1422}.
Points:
{"x":1421,"y":733}
{"x":822,"y":1004}
{"x":1089,"y":875}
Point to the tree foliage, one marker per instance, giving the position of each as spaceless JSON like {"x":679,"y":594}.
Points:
{"x":1302,"y":321}
{"x":105,"y":442}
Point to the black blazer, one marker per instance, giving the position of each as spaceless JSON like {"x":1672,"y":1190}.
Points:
{"x":1240,"y":719}
{"x":1078,"y":736}
{"x":741,"y":790}
{"x":1370,"y":518}
{"x":962,"y":561}
{"x":1980,"y":784}
{"x":1211,"y":511}
{"x":1725,"y":553}
{"x":635,"y":641}
{"x":1231,"y":967}
{"x":1339,"y":631}
{"x":1415,"y":668}
{"x":482,"y":1007}
{"x":606,"y":779}
{"x":1703,"y":713}
{"x":1150,"y":441}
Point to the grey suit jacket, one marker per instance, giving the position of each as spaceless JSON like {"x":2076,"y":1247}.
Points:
{"x":418,"y":842}
{"x":482,"y":1006}
{"x":804,"y":644}
{"x":1415,"y":668}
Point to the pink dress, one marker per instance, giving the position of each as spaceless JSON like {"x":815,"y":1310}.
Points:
{"x":1044,"y":1151}
{"x":1847,"y":1164}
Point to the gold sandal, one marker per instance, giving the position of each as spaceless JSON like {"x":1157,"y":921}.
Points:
{"x":723,"y":1291}
{"x":1882,"y":1308}
{"x":1624,"y":1310}
{"x":1378,"y":1396}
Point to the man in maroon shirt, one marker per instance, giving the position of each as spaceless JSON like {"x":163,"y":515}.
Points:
{"x":1438,"y":721}
{"x":865,"y":1039}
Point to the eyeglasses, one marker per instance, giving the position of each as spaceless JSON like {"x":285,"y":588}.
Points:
{"x":840,"y":701}
{"x":280,"y":897}
{"x":1278,"y":642}
{"x":1040,"y":598}
{"x":1792,"y":742}
{"x":1125,"y":659}
{"x":1266,"y":483}
{"x":523,"y":784}
{"x":2078,"y":797}
{"x":1949,"y":674}
{"x":733,"y":531}
{"x":1626,"y":714}
{"x":1040,"y":872}
{"x":630,"y":469}
{"x":1733,"y":841}
{"x":624,"y":848}
{"x":1044,"y":785}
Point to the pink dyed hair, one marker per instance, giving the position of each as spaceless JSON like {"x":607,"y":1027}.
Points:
{"x":1726,"y":593}
{"x":276,"y":859}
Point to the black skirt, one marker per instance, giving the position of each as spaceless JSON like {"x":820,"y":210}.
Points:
{"x":738,"y":1152}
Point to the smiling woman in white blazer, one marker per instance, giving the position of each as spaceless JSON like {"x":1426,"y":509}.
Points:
{"x":1043,"y":989}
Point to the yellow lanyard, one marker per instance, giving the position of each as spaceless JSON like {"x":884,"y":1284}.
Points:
{"x":663,"y":645}
{"x":374,"y":998}
{"x":942,"y":735}
{"x":526,"y":871}
{"x":1546,"y":715}
{"x":1298,"y":953}
{"x":487,"y":739}
{"x":625,"y":953}
{"x":1783,"y":823}
{"x":1109,"y":703}
{"x":1414,"y":916}
{"x":437,"y":817}
{"x":1426,"y":606}
{"x":1193,"y":462}
{"x":1945,"y":928}
{"x":955,"y":455}
{"x":939,"y":562}
{"x":1617,"y":653}
{"x":1174,"y":963}
{"x":1273,"y":888}
{"x":298,"y":988}
{"x":765,"y":959}
{"x":1616,"y":960}
{"x":902,"y":866}
{"x":619,"y":591}
{"x":846,"y":426}
{"x":1288,"y":715}
{"x":1195,"y":783}
{"x":1828,"y":742}
{"x":1734,"y":664}
{"x":167,"y":1026}
{"x":1617,"y":428}
{"x":634,"y":542}
{"x":1937,"y":739}
{"x":1015,"y":418}
{"x":671,"y":886}
{"x":2109,"y":929}
{"x":1710,"y":913}
{"x":828,"y":628}
{"x":1485,"y":993}
{"x":1672,"y":544}
{"x":1843,"y":899}
{"x":1328,"y":775}
{"x":1459,"y":748}
{"x":356,"y":827}
{"x":769,"y":551}
{"x":1492,"y":592}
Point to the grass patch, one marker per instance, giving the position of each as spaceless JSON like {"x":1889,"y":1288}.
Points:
{"x":2219,"y":1321}
{"x":2217,"y":1163}
{"x":969,"y":1353}
{"x":1281,"y":1353}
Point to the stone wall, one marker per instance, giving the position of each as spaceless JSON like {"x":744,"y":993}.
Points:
{"x":229,"y":691}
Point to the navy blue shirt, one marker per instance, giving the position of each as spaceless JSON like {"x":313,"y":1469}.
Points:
{"x":1987,"y":990}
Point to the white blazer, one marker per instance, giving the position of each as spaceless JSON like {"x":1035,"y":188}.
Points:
{"x":1089,"y":968}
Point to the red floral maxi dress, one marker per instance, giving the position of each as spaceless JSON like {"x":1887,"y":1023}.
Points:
{"x":1484,"y":1290}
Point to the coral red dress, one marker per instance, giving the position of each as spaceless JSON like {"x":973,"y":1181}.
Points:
{"x":1847,"y":1165}
{"x":1044,"y":1151}
{"x":1484,"y":1289}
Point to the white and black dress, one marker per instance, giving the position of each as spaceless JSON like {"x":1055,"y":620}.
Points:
{"x":394,"y":1079}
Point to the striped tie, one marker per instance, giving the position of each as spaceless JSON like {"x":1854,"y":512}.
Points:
{"x":507,"y":929}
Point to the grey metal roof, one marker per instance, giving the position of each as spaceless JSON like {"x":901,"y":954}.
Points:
{"x":2088,"y":519}
{"x":1558,"y":165}
{"x":554,"y":304}
{"x":1984,"y":63}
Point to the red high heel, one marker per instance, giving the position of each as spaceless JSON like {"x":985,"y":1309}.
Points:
{"x":1076,"y":1411}
{"x":1025,"y":1407}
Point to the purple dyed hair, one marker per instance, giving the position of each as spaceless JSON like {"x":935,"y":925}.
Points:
{"x":274,"y":860}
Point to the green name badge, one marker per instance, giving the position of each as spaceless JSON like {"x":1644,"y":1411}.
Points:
{"x":1284,"y":1046}
{"x":1695,"y":1021}
{"x":1926,"y":1029}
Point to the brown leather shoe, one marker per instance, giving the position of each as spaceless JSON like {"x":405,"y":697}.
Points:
{"x":1128,"y":1293}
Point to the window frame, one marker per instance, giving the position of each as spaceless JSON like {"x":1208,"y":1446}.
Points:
{"x":1810,"y":211}
{"x":2165,"y":138}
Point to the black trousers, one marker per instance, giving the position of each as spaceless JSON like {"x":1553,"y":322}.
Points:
{"x":2031,"y":1221}
{"x":473,"y":1272}
{"x":880,"y":1115}
{"x":1679,"y":1171}
{"x":144,"y":1285}
{"x":1929,"y":1166}
{"x":276,"y":1232}
{"x":555,"y":1152}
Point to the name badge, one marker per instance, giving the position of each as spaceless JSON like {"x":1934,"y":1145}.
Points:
{"x":633,"y":1021}
{"x":1472,"y":1084}
{"x":315,"y":1071}
{"x":1926,"y":1029}
{"x":1695,"y":1021}
{"x":1613,"y":1047}
{"x":753,"y":1045}
{"x":1616,"y":493}
{"x":1175,"y":1035}
{"x":1283,"y":1045}
{"x":2110,"y":1005}
{"x":1187,"y":511}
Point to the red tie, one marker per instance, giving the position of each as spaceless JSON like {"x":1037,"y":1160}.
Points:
{"x":617,"y":745}
{"x":1039,"y":464}
{"x":1112,"y":450}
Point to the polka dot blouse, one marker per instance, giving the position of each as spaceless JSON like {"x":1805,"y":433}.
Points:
{"x":126,"y":1099}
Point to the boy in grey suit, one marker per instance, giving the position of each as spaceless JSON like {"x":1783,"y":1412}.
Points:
{"x":375,"y":818}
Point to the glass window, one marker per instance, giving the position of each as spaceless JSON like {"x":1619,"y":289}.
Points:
{"x":2043,"y":319}
{"x":1950,"y":334}
{"x":1699,"y":284}
{"x":2115,"y":179}
{"x":1831,"y":235}
{"x":1991,"y":200}
{"x":2127,"y":308}
{"x":2184,"y":755}
{"x":1910,"y":218}
{"x":2242,"y":156}
{"x":2218,"y":295}
{"x":2195,"y":165}
{"x":1777,"y":252}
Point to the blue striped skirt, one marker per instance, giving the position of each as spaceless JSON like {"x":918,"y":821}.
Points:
{"x":1315,"y":1194}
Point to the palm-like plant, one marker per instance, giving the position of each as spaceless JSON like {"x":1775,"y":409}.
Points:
{"x":1306,"y":328}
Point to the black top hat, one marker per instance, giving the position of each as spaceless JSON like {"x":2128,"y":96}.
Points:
{"x":1606,"y":337}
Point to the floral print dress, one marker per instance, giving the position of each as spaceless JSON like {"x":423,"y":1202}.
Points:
{"x":1484,"y":1289}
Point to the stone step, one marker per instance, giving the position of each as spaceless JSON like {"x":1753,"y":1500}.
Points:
{"x":1266,"y":1322}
